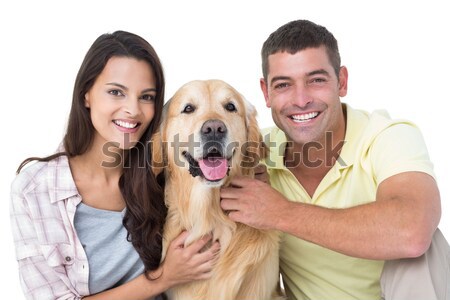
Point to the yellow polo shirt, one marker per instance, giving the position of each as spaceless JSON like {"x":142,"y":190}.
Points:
{"x":376,"y":147}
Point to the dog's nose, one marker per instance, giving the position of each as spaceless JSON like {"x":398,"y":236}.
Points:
{"x":214,"y":129}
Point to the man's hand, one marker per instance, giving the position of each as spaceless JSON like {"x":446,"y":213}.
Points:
{"x":253,"y":202}
{"x":261,"y":173}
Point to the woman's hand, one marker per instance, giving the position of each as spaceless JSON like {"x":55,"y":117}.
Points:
{"x":185,"y":264}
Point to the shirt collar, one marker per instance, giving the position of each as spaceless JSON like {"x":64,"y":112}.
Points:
{"x":354,"y":127}
{"x":60,"y":181}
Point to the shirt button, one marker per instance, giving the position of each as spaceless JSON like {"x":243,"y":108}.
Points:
{"x":68,"y":258}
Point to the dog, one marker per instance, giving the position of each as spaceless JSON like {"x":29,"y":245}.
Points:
{"x":209,"y":134}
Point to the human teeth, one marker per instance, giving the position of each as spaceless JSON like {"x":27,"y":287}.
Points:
{"x":305,"y":117}
{"x":125,"y":124}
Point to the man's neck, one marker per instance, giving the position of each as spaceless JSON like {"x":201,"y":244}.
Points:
{"x":311,"y":164}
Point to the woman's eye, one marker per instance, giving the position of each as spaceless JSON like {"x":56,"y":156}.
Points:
{"x":149,"y":98}
{"x":230,"y":107}
{"x":115,"y":93}
{"x":188,"y":109}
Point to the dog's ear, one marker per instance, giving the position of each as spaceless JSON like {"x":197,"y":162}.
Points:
{"x":255,"y":149}
{"x":157,"y":146}
{"x":157,"y":153}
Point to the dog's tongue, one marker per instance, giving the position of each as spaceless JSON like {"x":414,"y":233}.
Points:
{"x":213,"y":168}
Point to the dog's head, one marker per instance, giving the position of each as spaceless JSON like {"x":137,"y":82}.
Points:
{"x":209,"y":130}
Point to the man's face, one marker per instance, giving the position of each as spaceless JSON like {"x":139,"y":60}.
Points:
{"x":303,"y":92}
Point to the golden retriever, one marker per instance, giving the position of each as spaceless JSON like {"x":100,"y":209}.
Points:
{"x":208,"y":134}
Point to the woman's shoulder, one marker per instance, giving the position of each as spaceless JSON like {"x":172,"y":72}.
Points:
{"x":30,"y":177}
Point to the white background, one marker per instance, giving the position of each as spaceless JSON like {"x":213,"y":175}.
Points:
{"x":397,"y":53}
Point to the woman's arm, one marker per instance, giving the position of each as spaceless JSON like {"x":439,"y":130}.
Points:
{"x":181,"y":265}
{"x":39,"y":280}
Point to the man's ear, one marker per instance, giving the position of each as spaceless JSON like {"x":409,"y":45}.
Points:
{"x":343,"y":80}
{"x":264,"y":89}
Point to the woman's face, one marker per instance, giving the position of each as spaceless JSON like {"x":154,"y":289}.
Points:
{"x":122,"y":102}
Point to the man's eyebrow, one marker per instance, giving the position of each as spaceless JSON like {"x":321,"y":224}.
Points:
{"x":309,"y":74}
{"x":318,"y":72}
{"x":276,"y":78}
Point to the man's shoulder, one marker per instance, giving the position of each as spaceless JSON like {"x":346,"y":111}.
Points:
{"x":372,"y":124}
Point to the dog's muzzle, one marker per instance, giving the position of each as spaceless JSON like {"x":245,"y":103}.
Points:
{"x":213,"y":166}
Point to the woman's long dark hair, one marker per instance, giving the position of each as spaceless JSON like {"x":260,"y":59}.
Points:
{"x":145,"y":214}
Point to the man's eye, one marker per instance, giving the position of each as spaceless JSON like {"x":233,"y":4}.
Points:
{"x":188,"y":109}
{"x":230,"y":107}
{"x":281,"y":85}
{"x":318,"y":80}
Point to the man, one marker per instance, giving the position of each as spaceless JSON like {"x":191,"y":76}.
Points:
{"x":351,"y":190}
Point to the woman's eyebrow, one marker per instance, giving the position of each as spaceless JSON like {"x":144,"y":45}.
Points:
{"x":118,"y":85}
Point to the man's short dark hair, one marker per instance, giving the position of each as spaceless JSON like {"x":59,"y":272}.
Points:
{"x":299,"y":35}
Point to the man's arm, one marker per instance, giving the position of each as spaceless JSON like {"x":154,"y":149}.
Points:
{"x":399,"y":224}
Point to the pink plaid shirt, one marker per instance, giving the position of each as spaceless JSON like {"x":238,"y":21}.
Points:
{"x":52,"y":261}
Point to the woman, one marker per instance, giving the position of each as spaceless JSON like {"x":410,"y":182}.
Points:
{"x":75,"y":213}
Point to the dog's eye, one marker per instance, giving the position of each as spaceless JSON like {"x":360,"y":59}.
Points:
{"x":230,"y":107}
{"x":188,"y":109}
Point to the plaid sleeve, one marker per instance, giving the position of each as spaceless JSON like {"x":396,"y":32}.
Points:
{"x":39,"y":280}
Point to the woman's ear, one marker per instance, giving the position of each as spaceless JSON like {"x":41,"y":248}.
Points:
{"x":87,"y":102}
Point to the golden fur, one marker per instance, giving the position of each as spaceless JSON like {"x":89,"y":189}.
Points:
{"x":248,"y":264}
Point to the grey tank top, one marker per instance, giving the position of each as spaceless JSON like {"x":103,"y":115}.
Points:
{"x":112,"y":259}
